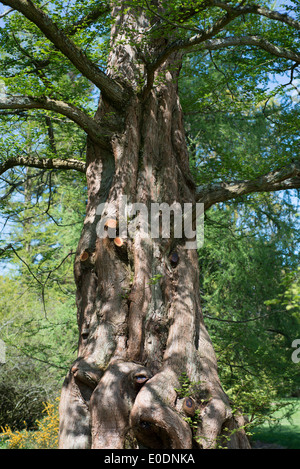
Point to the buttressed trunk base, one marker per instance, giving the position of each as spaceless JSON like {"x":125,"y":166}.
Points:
{"x":142,"y":334}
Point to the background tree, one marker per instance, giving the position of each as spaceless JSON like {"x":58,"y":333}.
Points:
{"x":37,"y":303}
{"x":138,"y":337}
{"x":241,"y":269}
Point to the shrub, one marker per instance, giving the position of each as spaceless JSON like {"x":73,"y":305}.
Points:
{"x":45,"y":437}
{"x":20,"y":405}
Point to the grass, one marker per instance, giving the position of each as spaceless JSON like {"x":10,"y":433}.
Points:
{"x":284,"y":433}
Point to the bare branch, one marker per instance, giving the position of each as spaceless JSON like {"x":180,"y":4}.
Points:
{"x":43,"y":163}
{"x":257,"y":41}
{"x":287,"y":177}
{"x":259,"y":10}
{"x":25,"y":263}
{"x":200,"y":42}
{"x":87,"y":123}
{"x":64,"y":44}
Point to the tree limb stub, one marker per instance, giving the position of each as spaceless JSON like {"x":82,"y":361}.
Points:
{"x":112,"y":401}
{"x":156,"y":424}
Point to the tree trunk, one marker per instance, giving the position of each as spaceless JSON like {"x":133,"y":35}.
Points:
{"x":146,"y":373}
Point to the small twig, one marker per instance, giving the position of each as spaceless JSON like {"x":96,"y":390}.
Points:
{"x":6,"y":12}
{"x":37,"y":359}
{"x":25,"y":263}
{"x":172,"y":23}
{"x":222,"y":73}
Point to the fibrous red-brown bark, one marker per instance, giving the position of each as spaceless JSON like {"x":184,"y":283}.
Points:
{"x":139,"y":314}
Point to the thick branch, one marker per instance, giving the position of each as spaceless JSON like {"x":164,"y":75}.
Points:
{"x":203,"y":43}
{"x":186,"y":13}
{"x":204,"y":40}
{"x":259,"y":10}
{"x":257,"y":41}
{"x":287,"y":177}
{"x":87,"y":123}
{"x":42,"y":163}
{"x":63,"y":43}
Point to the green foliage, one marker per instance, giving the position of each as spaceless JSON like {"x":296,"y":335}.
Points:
{"x":244,"y":264}
{"x":291,"y":296}
{"x":241,"y":106}
{"x":282,"y":429}
{"x":44,"y":437}
{"x":41,"y":216}
{"x":153,"y":280}
{"x":32,"y":66}
{"x":39,"y":349}
{"x":234,"y":131}
{"x":21,"y":403}
{"x":37,"y":301}
{"x":190,"y":388}
{"x":185,"y":386}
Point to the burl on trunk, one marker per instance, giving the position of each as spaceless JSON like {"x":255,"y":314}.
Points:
{"x":142,"y":334}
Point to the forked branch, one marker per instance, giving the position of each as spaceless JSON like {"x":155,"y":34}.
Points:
{"x":207,"y":40}
{"x":156,"y":424}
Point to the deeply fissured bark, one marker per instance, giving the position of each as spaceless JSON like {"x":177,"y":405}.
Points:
{"x":139,"y":314}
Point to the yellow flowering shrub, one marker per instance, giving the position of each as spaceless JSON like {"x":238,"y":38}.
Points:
{"x":45,"y":437}
{"x":16,"y":439}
